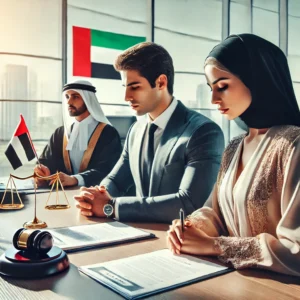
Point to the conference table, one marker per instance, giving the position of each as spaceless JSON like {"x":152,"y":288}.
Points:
{"x":72,"y":284}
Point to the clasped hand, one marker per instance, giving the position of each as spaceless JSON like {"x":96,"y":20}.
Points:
{"x":91,"y":201}
{"x":191,"y":241}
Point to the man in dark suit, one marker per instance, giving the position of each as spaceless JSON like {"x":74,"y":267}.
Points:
{"x":172,"y":156}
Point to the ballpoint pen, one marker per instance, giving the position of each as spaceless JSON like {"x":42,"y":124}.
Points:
{"x":181,"y":216}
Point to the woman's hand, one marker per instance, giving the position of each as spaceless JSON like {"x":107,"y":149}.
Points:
{"x":191,"y":241}
{"x":175,"y":236}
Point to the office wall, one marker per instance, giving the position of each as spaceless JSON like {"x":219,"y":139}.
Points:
{"x":189,"y":30}
{"x":293,"y":50}
{"x":32,"y":61}
{"x":30,"y":70}
{"x":30,"y":65}
{"x":126,"y":17}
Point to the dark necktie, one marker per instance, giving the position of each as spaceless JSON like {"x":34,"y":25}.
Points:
{"x":149,"y":155}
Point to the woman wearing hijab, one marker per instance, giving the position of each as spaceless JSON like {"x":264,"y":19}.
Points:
{"x":252,"y":217}
{"x":87,"y":147}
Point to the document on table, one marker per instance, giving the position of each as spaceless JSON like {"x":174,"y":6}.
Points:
{"x":21,"y":185}
{"x":146,"y":274}
{"x":96,"y":235}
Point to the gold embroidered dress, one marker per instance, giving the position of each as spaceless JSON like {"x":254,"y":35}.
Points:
{"x":257,"y":219}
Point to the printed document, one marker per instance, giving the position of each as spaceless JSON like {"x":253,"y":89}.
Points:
{"x":20,"y":184}
{"x":100,"y":234}
{"x":146,"y":274}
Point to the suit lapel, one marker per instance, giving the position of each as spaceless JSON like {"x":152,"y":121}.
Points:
{"x":172,"y":132}
{"x":136,"y":152}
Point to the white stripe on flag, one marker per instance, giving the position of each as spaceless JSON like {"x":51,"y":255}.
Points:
{"x":17,"y":145}
{"x":104,"y":55}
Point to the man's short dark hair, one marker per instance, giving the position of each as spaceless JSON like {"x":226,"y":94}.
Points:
{"x":150,"y":60}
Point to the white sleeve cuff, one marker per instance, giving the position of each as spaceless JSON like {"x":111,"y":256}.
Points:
{"x":79,"y":179}
{"x":117,"y":208}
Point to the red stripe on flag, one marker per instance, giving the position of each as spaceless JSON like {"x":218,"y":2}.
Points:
{"x":22,"y":128}
{"x":81,"y":52}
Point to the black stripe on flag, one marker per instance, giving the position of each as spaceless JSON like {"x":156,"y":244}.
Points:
{"x":13,"y":157}
{"x":24,"y":139}
{"x":104,"y":71}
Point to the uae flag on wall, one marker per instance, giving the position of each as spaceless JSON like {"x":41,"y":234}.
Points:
{"x":20,"y":148}
{"x":94,"y":51}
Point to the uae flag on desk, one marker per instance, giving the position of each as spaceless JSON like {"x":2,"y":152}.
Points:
{"x":20,"y":148}
{"x":94,"y":51}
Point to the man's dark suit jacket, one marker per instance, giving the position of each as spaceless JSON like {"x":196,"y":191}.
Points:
{"x":106,"y":153}
{"x":185,"y":168}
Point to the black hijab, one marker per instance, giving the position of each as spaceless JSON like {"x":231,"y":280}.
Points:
{"x":263,"y":68}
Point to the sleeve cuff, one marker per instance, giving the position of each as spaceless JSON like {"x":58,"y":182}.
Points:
{"x":79,"y":179}
{"x":240,"y":252}
{"x":116,"y":208}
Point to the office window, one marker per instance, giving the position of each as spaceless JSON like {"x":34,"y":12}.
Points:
{"x":240,"y":22}
{"x":189,"y":42}
{"x":240,"y":16}
{"x":30,"y":72}
{"x":123,"y":17}
{"x":294,"y":44}
{"x":265,"y":14}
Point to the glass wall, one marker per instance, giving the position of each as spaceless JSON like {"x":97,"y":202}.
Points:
{"x":240,"y":16}
{"x":240,"y":21}
{"x":32,"y":45}
{"x":125,"y":18}
{"x":30,"y":71}
{"x":294,"y":44}
{"x":251,"y":16}
{"x":189,"y":43}
{"x":265,"y":14}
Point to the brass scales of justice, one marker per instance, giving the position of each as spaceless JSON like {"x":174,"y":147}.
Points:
{"x":36,"y":223}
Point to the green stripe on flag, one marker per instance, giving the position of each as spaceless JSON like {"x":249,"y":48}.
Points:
{"x":114,"y":40}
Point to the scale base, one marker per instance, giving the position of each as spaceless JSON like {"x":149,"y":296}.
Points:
{"x":35,"y":224}
{"x":16,"y":263}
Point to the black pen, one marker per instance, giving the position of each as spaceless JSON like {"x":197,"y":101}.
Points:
{"x":181,"y":216}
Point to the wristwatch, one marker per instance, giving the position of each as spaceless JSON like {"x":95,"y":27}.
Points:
{"x":108,"y":208}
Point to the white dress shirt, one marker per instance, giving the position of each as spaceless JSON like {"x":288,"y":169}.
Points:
{"x":161,"y":121}
{"x":76,"y":154}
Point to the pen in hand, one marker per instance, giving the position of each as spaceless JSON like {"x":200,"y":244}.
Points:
{"x":181,"y":216}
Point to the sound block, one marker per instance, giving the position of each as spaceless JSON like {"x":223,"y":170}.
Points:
{"x":16,"y":263}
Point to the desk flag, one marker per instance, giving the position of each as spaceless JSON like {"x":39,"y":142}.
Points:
{"x":20,"y":148}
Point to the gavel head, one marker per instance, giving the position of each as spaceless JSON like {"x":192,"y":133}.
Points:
{"x":34,"y":242}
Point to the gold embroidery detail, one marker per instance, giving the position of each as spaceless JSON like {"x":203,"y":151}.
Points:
{"x":269,"y":177}
{"x":240,"y":252}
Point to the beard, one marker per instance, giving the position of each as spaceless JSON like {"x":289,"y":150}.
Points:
{"x":77,"y":111}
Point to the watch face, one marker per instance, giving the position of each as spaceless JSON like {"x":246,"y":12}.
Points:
{"x":108,"y":209}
